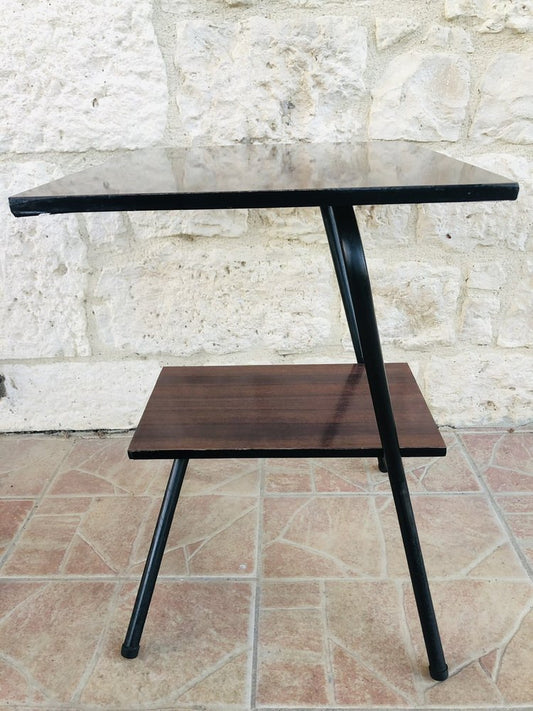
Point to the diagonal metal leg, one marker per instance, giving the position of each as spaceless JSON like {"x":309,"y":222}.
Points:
{"x":342,"y":278}
{"x":341,"y":221}
{"x":344,"y":288}
{"x":130,"y":648}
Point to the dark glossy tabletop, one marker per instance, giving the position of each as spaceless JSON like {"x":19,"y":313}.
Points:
{"x":281,"y":175}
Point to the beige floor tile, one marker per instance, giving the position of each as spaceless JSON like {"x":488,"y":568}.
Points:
{"x":101,"y":466}
{"x":357,"y":684}
{"x":517,"y":510}
{"x":514,"y":677}
{"x":196,"y":633}
{"x":291,"y":657}
{"x":227,"y":682}
{"x":51,"y":635}
{"x":96,"y":540}
{"x":457,"y":534}
{"x":471,"y":686}
{"x":478,"y":618}
{"x":452,"y":473}
{"x":210,"y":535}
{"x":278,"y":594}
{"x":279,"y":482}
{"x":342,"y":475}
{"x":111,"y":534}
{"x":233,"y":477}
{"x":480,"y":446}
{"x":366,"y":621}
{"x":337,"y":623}
{"x":27,"y":464}
{"x":13,"y":513}
{"x":322,"y":536}
{"x":42,"y":546}
{"x":505,"y":459}
{"x":291,"y":683}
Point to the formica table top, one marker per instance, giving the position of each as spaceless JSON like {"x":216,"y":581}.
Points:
{"x":259,"y":175}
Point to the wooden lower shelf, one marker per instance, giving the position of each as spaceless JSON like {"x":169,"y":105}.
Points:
{"x":279,"y":411}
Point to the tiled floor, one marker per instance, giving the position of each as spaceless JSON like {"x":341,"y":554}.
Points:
{"x":284,"y":584}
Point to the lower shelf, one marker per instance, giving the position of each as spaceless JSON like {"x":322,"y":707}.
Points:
{"x":279,"y":411}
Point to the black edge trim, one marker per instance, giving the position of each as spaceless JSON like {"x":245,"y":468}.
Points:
{"x":284,"y":453}
{"x":26,"y":206}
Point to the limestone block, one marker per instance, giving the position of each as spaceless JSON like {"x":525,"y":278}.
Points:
{"x":184,"y":298}
{"x":420,"y":97}
{"x":76,"y":396}
{"x":390,"y":30}
{"x":43,"y":268}
{"x":453,"y":38}
{"x":265,"y":79}
{"x":480,"y":387}
{"x":464,"y":8}
{"x":179,"y":7}
{"x":516,"y":328}
{"x":462,"y":227}
{"x":105,"y":227}
{"x":416,"y":302}
{"x":196,"y":223}
{"x":176,"y":6}
{"x":384,"y":225}
{"x":303,"y":224}
{"x":478,"y":317}
{"x":497,"y":15}
{"x":89,"y":75}
{"x":487,"y":276}
{"x":505,"y":109}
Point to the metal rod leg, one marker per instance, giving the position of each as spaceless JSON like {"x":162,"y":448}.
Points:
{"x":344,"y":288}
{"x":344,"y":222}
{"x":342,"y":279}
{"x":130,"y":648}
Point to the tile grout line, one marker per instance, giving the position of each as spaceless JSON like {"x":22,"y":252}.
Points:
{"x":254,"y":661}
{"x":496,"y":508}
{"x":327,"y":645}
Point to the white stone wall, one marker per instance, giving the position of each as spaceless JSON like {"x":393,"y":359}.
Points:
{"x":92,"y":305}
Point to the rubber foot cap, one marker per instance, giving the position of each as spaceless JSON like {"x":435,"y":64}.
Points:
{"x":129,"y":652}
{"x":439,"y":675}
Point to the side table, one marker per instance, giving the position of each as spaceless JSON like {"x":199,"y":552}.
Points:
{"x":349,"y":410}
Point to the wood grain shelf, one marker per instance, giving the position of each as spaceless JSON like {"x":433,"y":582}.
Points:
{"x":282,"y":410}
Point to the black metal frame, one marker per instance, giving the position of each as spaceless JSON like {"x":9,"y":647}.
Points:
{"x":130,"y":648}
{"x":354,"y":284}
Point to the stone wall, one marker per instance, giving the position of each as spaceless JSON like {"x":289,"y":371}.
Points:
{"x":92,"y":305}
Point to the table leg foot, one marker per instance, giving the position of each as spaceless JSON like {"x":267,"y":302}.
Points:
{"x":440,"y":674}
{"x":129,"y":652}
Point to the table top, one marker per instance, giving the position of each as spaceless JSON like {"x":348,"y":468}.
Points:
{"x":259,"y":175}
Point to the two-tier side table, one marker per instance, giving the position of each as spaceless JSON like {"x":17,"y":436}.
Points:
{"x":348,"y":410}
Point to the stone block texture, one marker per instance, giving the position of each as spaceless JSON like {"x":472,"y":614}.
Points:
{"x":92,"y":305}
{"x":267,"y":79}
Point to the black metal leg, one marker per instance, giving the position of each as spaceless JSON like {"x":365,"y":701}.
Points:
{"x":130,"y":648}
{"x":344,"y":288}
{"x":342,"y":278}
{"x":382,"y":464}
{"x":342,"y":221}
